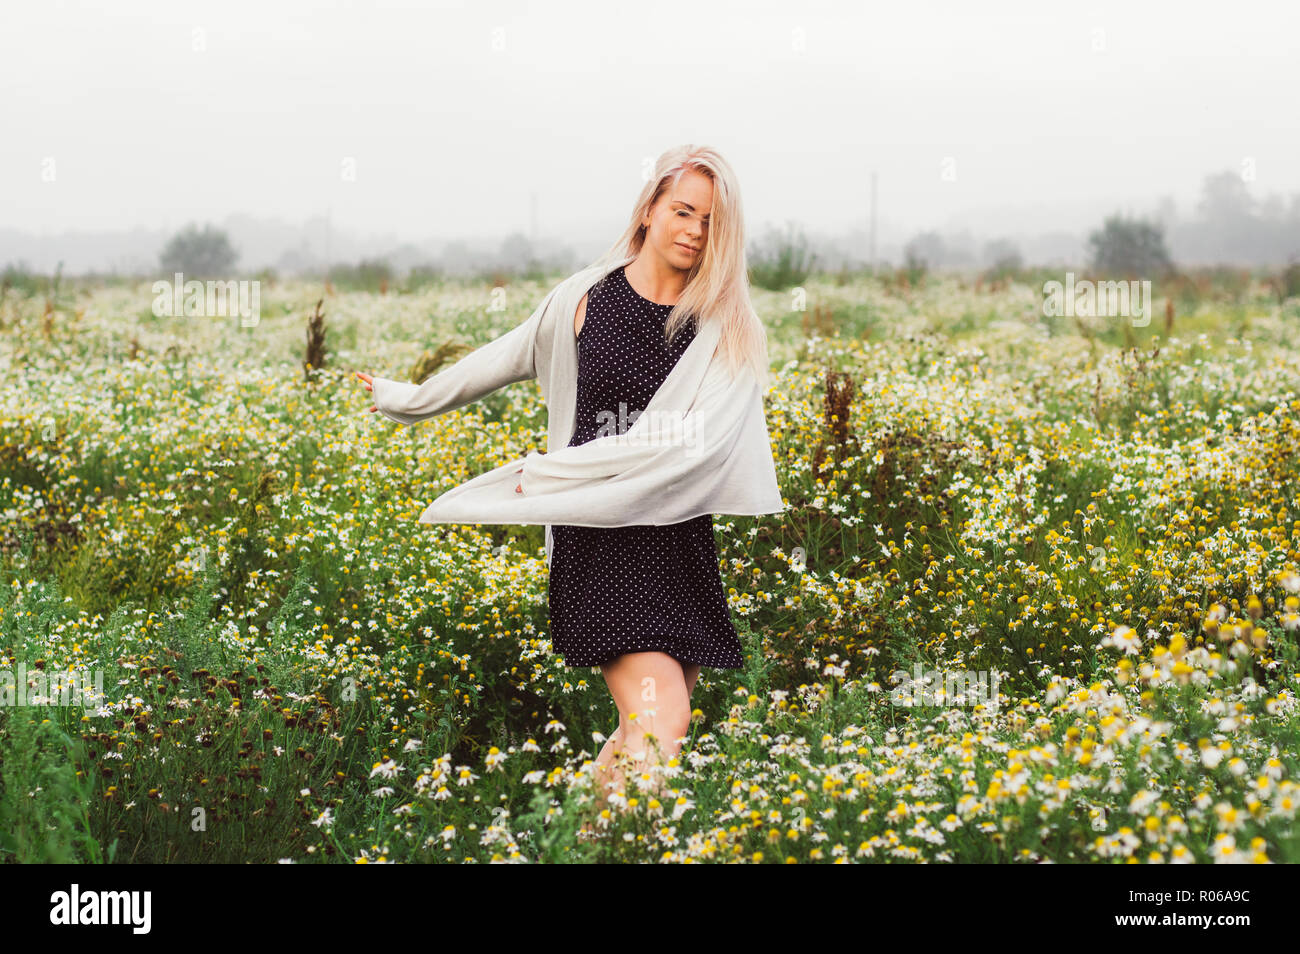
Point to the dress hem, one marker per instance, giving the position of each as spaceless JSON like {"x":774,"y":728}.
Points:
{"x":648,"y":649}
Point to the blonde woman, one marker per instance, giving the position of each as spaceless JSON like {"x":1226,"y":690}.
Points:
{"x":635,"y":589}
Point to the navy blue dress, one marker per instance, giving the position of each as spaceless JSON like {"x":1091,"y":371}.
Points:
{"x":616,"y":590}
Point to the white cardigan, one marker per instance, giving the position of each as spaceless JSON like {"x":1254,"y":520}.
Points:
{"x":701,"y":445}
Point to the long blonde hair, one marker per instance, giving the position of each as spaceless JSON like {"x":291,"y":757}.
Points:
{"x":717,"y":285}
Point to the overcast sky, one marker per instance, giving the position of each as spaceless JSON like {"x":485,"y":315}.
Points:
{"x":454,"y":115}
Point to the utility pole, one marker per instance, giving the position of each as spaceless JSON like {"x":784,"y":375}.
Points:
{"x":872,"y":261}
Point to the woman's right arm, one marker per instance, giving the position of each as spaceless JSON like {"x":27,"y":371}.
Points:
{"x":502,"y":361}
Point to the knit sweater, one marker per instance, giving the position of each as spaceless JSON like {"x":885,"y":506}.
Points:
{"x":700,"y":446}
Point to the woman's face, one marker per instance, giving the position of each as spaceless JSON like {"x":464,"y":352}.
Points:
{"x":679,"y":224}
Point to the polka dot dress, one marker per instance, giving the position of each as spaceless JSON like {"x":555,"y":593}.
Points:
{"x":616,"y":590}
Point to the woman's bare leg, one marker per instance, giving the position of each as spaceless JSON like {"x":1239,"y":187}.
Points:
{"x":601,"y":772}
{"x":604,"y":761}
{"x":650,"y":690}
{"x":691,"y":672}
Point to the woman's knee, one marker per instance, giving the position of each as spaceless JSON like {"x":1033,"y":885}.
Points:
{"x":668,"y":723}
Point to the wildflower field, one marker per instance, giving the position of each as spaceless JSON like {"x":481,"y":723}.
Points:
{"x":1099,"y":517}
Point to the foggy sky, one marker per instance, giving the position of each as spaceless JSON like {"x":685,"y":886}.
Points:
{"x":462,"y":118}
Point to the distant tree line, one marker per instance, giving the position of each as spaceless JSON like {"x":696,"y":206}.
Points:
{"x":1229,"y":227}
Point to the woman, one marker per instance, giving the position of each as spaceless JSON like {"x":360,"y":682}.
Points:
{"x":640,"y":597}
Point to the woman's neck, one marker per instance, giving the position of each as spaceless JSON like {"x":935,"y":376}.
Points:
{"x":654,"y":279}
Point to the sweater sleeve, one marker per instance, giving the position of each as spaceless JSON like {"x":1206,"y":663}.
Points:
{"x":511,"y":357}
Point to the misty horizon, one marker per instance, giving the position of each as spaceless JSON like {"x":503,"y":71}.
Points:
{"x":460,"y":123}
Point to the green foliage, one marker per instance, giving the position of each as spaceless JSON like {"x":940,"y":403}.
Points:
{"x":1131,"y":248}
{"x":1289,"y":281}
{"x":296,"y":670}
{"x":367,"y":275}
{"x":423,"y":276}
{"x":43,"y":797}
{"x":1005,"y":261}
{"x":781,"y":260}
{"x":198,"y":254}
{"x":24,"y":280}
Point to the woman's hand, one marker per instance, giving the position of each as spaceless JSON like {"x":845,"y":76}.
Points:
{"x":519,"y":489}
{"x":367,"y":382}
